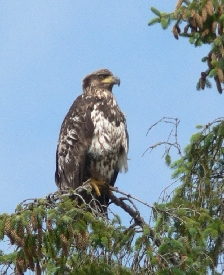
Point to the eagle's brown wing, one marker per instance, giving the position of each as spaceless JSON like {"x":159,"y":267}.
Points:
{"x":73,"y":144}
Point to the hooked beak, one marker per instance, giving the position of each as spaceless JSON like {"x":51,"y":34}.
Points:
{"x":112,"y":80}
{"x":116,"y":80}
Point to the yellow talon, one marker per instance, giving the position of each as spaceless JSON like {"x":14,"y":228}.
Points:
{"x":96,"y":184}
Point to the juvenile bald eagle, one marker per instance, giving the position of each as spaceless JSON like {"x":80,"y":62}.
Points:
{"x":93,"y":141}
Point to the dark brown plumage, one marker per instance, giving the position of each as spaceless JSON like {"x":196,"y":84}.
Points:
{"x":93,"y":141}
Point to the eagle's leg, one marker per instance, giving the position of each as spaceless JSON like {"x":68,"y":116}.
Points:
{"x":96,"y":185}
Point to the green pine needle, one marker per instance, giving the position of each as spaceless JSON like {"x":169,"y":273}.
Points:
{"x":154,"y":21}
{"x":154,"y":10}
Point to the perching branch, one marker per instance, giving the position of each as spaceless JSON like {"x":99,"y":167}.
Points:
{"x":135,"y":215}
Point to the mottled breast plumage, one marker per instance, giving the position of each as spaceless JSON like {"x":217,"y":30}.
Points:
{"x":109,"y":144}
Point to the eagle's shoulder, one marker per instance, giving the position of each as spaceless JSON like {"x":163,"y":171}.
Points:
{"x":81,"y":104}
{"x":79,"y":114}
{"x":77,"y":126}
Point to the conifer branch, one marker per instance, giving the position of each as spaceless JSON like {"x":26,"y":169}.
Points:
{"x":202,"y":23}
{"x":135,"y":215}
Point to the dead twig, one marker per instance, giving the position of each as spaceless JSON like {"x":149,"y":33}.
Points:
{"x":173,"y":132}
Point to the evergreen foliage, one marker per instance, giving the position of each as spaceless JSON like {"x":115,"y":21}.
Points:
{"x":203,"y":23}
{"x":55,"y":235}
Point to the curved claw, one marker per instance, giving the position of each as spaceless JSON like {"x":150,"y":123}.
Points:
{"x":96,"y":184}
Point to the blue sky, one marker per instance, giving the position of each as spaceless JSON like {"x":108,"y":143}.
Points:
{"x":47,"y":47}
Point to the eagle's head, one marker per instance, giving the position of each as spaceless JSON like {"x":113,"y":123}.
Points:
{"x":101,"y":79}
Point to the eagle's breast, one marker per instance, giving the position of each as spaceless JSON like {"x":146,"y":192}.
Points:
{"x":108,"y":149}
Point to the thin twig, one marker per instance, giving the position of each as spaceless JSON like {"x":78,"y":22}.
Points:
{"x":115,"y":189}
{"x":175,"y":122}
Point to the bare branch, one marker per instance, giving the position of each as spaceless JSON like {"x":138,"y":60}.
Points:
{"x":115,"y":189}
{"x":173,"y":132}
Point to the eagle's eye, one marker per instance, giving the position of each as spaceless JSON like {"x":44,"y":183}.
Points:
{"x":101,"y":76}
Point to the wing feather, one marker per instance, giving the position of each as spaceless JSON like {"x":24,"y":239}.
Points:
{"x":74,"y":140}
